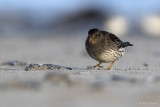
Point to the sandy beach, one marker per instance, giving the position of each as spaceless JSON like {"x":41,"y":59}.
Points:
{"x":132,"y":82}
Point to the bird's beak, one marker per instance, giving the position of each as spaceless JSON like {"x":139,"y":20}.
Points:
{"x":90,"y":40}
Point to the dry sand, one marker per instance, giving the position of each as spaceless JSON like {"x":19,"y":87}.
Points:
{"x":134,"y":80}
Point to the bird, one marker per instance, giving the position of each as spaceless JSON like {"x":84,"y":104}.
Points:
{"x":104,"y":47}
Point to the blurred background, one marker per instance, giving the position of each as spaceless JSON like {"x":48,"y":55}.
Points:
{"x":49,"y":31}
{"x":76,"y":17}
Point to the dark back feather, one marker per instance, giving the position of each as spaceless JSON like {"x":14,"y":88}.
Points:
{"x":114,"y":39}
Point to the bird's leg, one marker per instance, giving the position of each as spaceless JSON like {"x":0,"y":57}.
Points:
{"x":110,"y":66}
{"x":98,"y":65}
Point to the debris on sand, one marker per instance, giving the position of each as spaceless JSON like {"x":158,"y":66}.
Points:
{"x":34,"y":67}
{"x":145,"y":64}
{"x":14,"y":63}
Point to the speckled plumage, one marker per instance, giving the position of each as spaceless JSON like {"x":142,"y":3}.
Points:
{"x":104,"y":46}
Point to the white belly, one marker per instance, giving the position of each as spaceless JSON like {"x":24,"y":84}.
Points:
{"x":111,"y":55}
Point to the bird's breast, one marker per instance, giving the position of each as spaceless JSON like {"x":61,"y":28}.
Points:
{"x":105,"y":55}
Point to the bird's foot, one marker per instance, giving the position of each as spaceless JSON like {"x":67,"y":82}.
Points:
{"x":110,"y":66}
{"x":94,"y":67}
{"x":108,"y":69}
{"x":98,"y":65}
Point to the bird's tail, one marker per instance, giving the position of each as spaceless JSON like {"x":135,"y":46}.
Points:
{"x":125,"y":44}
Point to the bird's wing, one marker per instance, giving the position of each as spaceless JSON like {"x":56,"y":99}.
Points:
{"x":115,"y":40}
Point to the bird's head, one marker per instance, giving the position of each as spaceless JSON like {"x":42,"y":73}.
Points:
{"x":94,"y":36}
